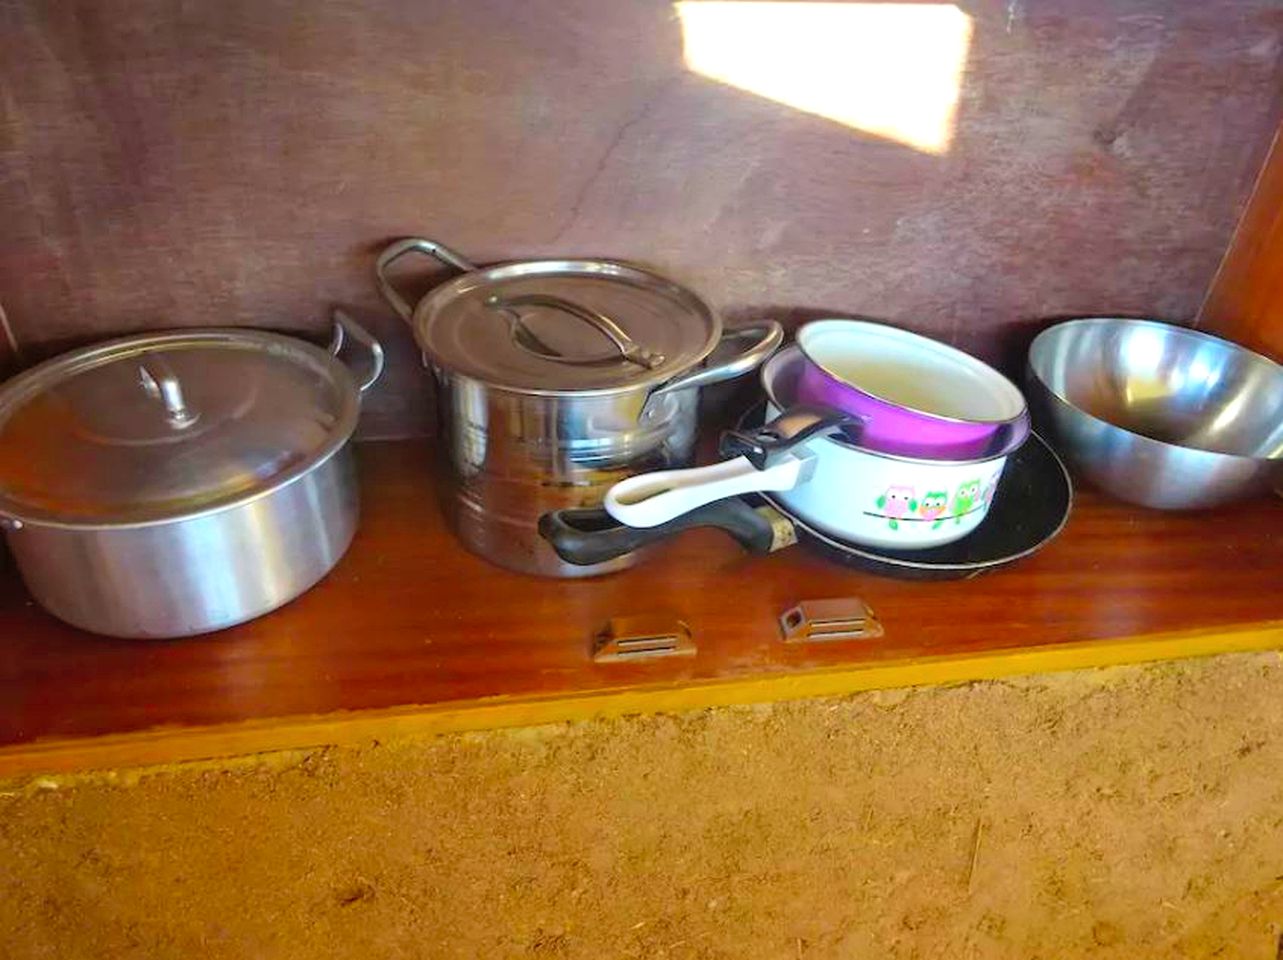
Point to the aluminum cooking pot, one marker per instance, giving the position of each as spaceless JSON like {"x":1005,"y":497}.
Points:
{"x":555,"y":379}
{"x":175,"y":483}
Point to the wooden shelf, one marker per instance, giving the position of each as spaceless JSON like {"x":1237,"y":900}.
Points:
{"x":411,"y":633}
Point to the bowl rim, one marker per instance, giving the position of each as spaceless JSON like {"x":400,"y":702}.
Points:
{"x":1050,"y":333}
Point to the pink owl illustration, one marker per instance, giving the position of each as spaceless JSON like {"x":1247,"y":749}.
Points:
{"x":897,"y":502}
{"x":990,"y":489}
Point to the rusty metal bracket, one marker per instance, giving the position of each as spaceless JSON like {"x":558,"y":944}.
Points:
{"x":846,"y":618}
{"x":626,"y":639}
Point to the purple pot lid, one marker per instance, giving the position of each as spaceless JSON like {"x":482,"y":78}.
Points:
{"x":915,"y":373}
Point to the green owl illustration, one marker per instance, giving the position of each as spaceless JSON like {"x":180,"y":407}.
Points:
{"x":965,"y":499}
{"x":934,"y":505}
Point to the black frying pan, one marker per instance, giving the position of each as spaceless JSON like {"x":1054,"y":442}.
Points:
{"x":1030,"y":507}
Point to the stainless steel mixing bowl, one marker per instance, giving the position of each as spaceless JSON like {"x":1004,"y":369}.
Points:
{"x":1158,"y":414}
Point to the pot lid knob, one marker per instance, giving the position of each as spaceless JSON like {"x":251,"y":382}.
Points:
{"x":163,"y":385}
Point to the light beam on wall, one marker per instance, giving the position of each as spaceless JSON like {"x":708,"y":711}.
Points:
{"x":889,"y":69}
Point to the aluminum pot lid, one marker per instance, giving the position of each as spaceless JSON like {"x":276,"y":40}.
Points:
{"x":558,"y":326}
{"x":164,"y":426}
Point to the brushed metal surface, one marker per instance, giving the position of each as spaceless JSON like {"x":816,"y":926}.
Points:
{"x":1159,"y":414}
{"x":193,"y":576}
{"x":519,"y":449}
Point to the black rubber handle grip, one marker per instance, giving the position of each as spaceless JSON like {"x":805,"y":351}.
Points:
{"x":591,"y":535}
{"x":770,"y":442}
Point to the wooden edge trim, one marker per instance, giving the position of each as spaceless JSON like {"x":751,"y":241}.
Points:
{"x":166,"y":745}
{"x":1235,"y":248}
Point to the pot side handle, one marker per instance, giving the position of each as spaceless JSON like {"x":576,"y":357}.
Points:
{"x":651,"y":499}
{"x":345,"y":327}
{"x":589,"y":536}
{"x":395,"y":251}
{"x":768,"y":335}
{"x":792,"y":428}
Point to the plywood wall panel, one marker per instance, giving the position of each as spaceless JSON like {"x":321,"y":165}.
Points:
{"x":171,"y":164}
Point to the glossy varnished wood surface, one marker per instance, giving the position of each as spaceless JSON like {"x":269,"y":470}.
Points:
{"x":409,"y":619}
{"x":1246,"y":301}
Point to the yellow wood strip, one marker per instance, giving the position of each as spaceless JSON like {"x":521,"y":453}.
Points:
{"x":172,"y":745}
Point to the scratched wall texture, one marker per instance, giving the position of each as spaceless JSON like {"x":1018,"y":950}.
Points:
{"x":237,"y":162}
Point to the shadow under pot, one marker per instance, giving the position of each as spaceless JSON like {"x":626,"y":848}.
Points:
{"x":555,"y":380}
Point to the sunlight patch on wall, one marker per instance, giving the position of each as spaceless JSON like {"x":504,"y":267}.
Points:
{"x":890,"y":69}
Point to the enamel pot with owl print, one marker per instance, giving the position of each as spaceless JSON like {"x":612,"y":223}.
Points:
{"x":811,"y":460}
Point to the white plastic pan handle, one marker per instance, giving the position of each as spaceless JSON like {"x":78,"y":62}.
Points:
{"x":650,"y":499}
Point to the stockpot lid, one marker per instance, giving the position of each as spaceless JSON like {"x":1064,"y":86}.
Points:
{"x":165,"y":426}
{"x":565,"y":326}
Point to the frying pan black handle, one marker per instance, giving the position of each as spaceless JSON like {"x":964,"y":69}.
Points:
{"x":591,"y":535}
{"x":765,"y":445}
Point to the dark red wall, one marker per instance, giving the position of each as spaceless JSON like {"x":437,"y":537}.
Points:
{"x":238,"y":162}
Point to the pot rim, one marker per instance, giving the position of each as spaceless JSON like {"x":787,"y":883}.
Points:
{"x":790,"y":353}
{"x":450,"y":289}
{"x":41,"y":376}
{"x":946,"y":348}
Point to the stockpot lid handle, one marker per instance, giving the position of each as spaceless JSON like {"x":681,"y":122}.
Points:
{"x":628,"y":348}
{"x":400,"y":248}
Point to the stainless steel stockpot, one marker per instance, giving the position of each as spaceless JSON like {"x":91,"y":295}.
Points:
{"x":556,"y":379}
{"x":175,"y":483}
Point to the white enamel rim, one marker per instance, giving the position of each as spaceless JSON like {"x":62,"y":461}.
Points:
{"x":1004,"y":389}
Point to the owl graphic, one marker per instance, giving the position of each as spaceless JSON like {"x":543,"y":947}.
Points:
{"x":934,"y":503}
{"x":991,"y":487}
{"x":896,"y":503}
{"x":965,"y":499}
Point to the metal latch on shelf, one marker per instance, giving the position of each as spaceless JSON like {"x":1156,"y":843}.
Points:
{"x":625,"y":639}
{"x":846,"y":618}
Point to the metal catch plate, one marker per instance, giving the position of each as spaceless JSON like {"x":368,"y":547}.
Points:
{"x":626,"y":639}
{"x":812,"y":621}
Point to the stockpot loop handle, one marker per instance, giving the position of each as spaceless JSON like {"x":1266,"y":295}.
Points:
{"x":766,"y":336}
{"x":399,"y":249}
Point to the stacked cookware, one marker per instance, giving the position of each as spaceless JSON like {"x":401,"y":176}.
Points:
{"x":555,"y":380}
{"x":871,"y":439}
